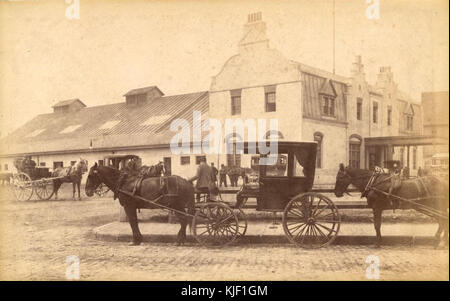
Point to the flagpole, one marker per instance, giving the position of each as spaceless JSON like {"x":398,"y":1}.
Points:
{"x":334,"y":36}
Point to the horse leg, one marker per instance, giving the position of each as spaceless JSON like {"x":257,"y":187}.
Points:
{"x":56,"y":186}
{"x":437,"y":236}
{"x":130,"y":210}
{"x":78,"y":187}
{"x":73,"y":189}
{"x":377,"y":212}
{"x":181,"y":237}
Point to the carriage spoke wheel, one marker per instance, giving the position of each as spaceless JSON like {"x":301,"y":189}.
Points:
{"x":311,"y":221}
{"x":215,"y":224}
{"x":101,"y":190}
{"x":44,"y":189}
{"x":242,"y":218}
{"x":22,"y":186}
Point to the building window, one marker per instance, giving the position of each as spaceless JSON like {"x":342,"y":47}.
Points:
{"x":42,"y":164}
{"x":389,"y":116}
{"x":409,"y":122}
{"x":271,"y":102}
{"x":414,"y":158}
{"x":0,"y":167}
{"x":185,"y":160}
{"x":199,"y":159}
{"x":6,"y":167}
{"x":57,"y":164}
{"x":359,"y":108}
{"x":318,"y":137}
{"x":354,"y":151}
{"x":328,"y":106}
{"x":375,"y":112}
{"x":235,"y":105}
{"x":101,"y":162}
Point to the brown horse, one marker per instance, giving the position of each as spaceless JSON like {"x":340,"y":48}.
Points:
{"x":409,"y":189}
{"x":150,"y":188}
{"x":72,"y":175}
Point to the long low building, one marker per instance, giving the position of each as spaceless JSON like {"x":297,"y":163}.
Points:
{"x":339,"y":112}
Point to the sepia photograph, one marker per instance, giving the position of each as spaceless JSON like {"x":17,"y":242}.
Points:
{"x":194,"y":140}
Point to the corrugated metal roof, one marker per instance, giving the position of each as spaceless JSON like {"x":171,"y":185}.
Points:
{"x":312,"y":103}
{"x":127,"y":131}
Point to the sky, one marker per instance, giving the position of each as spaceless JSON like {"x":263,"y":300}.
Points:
{"x":116,"y":46}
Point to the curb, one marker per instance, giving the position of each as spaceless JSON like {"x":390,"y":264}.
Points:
{"x":389,"y":240}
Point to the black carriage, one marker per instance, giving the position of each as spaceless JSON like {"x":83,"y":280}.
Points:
{"x":31,"y":179}
{"x":117,"y":161}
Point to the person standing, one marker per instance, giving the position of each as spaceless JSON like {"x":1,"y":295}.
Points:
{"x":204,"y":178}
{"x":223,"y":175}
{"x":215,"y":172}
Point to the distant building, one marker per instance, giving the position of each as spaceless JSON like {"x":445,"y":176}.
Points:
{"x":311,"y":104}
{"x":435,"y":122}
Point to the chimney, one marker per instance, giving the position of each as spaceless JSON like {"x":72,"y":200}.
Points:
{"x":358,"y":67}
{"x":254,"y":32}
{"x":385,"y":76}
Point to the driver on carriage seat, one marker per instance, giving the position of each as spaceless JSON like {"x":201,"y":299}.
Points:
{"x":205,"y":177}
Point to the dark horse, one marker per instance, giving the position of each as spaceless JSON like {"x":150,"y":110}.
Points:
{"x":72,"y":175}
{"x":409,"y":189}
{"x":150,"y":188}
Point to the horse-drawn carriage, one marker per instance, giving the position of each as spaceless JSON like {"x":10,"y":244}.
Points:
{"x":120,"y":162}
{"x":310,"y":220}
{"x":31,"y":179}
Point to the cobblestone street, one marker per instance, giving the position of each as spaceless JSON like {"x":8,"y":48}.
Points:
{"x":37,"y":236}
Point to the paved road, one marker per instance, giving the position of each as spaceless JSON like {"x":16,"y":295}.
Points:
{"x":36,"y":238}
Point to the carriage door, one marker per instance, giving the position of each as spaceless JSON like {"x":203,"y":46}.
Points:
{"x":168,"y":165}
{"x":274,"y":184}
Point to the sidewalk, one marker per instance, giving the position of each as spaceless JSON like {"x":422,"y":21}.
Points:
{"x":267,"y":232}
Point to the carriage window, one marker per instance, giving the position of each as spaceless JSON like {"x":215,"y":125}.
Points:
{"x":57,"y":164}
{"x":185,"y":160}
{"x":298,"y":170}
{"x":279,"y":168}
{"x":198,"y":159}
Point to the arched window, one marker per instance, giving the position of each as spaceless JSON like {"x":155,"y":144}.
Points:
{"x":354,"y":151}
{"x":318,"y":137}
{"x":272,"y":135}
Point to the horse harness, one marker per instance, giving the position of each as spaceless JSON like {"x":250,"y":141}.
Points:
{"x":168,"y":185}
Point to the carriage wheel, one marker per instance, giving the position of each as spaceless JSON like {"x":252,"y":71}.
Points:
{"x":311,"y":220}
{"x":101,"y":190}
{"x":22,"y":186}
{"x":242,"y":218}
{"x":215,"y":224}
{"x":44,"y":189}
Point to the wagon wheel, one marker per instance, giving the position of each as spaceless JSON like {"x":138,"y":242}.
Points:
{"x":311,"y":220}
{"x":101,"y":190}
{"x":215,"y":224}
{"x":44,"y":189}
{"x":22,"y":186}
{"x":242,"y":218}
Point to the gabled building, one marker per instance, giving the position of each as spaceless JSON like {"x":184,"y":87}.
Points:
{"x":345,"y":115}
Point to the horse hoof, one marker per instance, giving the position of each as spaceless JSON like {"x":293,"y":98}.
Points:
{"x":377,"y":246}
{"x":134,"y":243}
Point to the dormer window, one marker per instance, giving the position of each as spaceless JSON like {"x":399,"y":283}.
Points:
{"x":142,"y":95}
{"x":409,"y":122}
{"x":327,"y":96}
{"x":328,"y":106}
